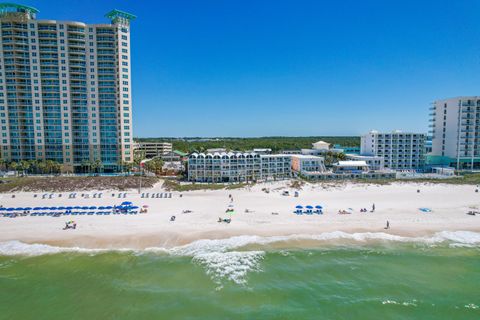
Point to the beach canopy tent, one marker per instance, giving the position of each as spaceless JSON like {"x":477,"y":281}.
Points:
{"x":101,"y":208}
{"x":37,"y":208}
{"x":69,"y":208}
{"x":61,"y":208}
{"x":134,"y":207}
{"x":19,"y":209}
{"x":2,"y":209}
{"x":27,"y":208}
{"x":85,"y":208}
{"x":92,"y":208}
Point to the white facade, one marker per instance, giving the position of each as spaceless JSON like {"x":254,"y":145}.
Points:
{"x":65,"y":89}
{"x":237,"y":167}
{"x":306,"y":165}
{"x":321,"y":145}
{"x":455,"y":127}
{"x":400,"y":150}
{"x":374,"y":162}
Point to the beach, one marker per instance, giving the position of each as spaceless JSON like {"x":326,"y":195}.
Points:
{"x":260,"y":265}
{"x":397,"y":203}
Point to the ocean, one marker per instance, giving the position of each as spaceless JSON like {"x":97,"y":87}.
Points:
{"x":329,"y":276}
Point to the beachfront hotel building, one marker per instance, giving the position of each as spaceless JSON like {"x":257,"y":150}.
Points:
{"x":65,"y":89}
{"x":237,"y":167}
{"x":455,"y":129}
{"x":399,"y":150}
{"x":307,"y":165}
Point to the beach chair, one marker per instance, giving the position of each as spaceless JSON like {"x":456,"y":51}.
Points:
{"x":161,"y":195}
{"x":169,"y":195}
{"x":142,"y":196}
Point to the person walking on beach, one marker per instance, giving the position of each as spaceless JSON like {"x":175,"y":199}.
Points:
{"x":388,"y":225}
{"x":373,"y":207}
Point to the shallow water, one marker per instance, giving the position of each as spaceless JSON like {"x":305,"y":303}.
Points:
{"x":248,"y":278}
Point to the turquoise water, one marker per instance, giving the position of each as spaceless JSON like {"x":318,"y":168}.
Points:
{"x":259,"y":280}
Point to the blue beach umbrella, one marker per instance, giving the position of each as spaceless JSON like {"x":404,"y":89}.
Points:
{"x":101,"y":208}
{"x":93,"y":208}
{"x":27,"y":208}
{"x":37,"y":208}
{"x":126,"y":202}
{"x":85,"y":208}
{"x":318,"y":207}
{"x":3,"y":209}
{"x":53,"y":208}
{"x":108,"y":207}
{"x":19,"y":209}
{"x":10,"y":209}
{"x":309,"y":207}
{"x":61,"y":208}
{"x":299,"y":207}
{"x":44,"y":208}
{"x":134,"y":207}
{"x":77,"y":207}
{"x":69,"y":208}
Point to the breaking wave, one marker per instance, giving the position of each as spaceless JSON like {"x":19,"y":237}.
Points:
{"x":225,"y":259}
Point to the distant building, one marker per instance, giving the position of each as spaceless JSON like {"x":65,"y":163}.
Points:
{"x":321,"y":145}
{"x":400,"y":151}
{"x":216,"y":150}
{"x":152,"y":149}
{"x":456,"y":133}
{"x":237,"y":167}
{"x":345,"y":149}
{"x":262,"y":150}
{"x":307,"y":165}
{"x":374,"y":162}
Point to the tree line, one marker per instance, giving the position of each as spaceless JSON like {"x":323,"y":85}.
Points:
{"x":277,"y":144}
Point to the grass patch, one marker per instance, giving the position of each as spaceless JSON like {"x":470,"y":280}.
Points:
{"x":70,"y":184}
{"x":172,"y":185}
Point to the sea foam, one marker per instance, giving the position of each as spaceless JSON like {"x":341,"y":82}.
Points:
{"x":11,"y":248}
{"x":229,"y":259}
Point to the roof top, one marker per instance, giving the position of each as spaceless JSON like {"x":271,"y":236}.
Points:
{"x":351,"y":163}
{"x":180,"y":153}
{"x":6,"y":7}
{"x":118,"y":14}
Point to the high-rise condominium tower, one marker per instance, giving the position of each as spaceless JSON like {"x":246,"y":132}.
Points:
{"x":65,"y":89}
{"x":455,"y":127}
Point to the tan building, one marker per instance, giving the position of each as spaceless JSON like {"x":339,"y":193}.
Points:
{"x":152,"y":149}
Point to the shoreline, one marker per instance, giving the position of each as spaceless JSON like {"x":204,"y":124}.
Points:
{"x":397,"y":203}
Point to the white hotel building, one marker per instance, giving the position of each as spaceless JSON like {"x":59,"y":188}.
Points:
{"x":237,"y":167}
{"x":65,"y":89}
{"x":455,"y":127}
{"x":400,"y":150}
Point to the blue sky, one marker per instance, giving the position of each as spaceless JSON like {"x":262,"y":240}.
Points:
{"x":291,"y":67}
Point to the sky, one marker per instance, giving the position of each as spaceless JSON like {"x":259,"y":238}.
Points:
{"x":248,"y":68}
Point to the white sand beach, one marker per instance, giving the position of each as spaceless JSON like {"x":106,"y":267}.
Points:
{"x":398,"y":203}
